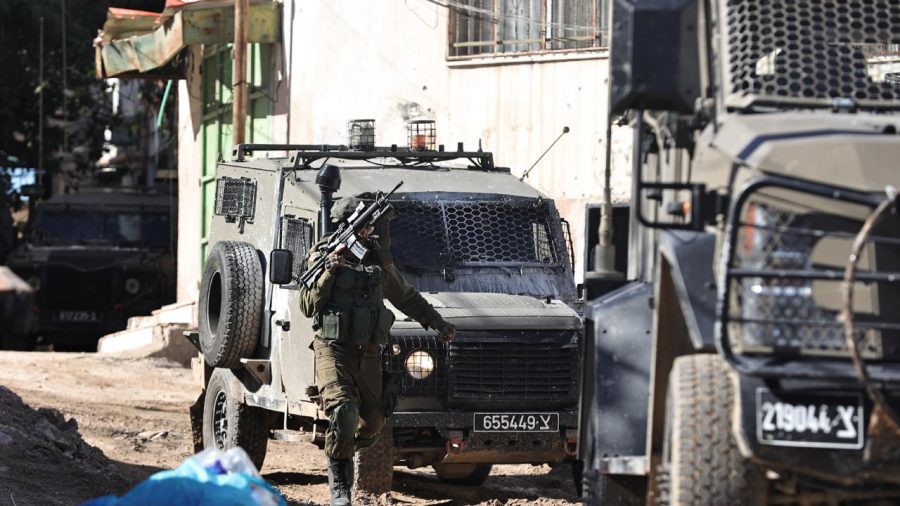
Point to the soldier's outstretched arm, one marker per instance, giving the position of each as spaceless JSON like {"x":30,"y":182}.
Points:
{"x":408,"y":300}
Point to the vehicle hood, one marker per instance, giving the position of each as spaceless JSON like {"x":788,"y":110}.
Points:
{"x":858,"y":151}
{"x":494,"y":311}
{"x":84,"y":258}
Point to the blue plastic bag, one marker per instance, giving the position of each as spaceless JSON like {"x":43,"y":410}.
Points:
{"x":211,"y":477}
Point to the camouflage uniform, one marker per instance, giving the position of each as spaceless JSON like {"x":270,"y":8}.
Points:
{"x":351,"y":324}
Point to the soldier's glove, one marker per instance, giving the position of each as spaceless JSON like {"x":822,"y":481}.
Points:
{"x":446,"y":331}
{"x":335,"y":259}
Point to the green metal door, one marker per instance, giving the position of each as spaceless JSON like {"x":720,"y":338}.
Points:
{"x":216,"y":129}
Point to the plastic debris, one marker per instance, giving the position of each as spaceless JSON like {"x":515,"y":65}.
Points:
{"x":211,"y":477}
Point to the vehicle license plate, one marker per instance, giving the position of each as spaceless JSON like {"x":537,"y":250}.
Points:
{"x":516,"y":422}
{"x":77,"y":316}
{"x":812,"y":421}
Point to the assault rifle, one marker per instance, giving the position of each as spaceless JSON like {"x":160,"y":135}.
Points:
{"x":363,"y":216}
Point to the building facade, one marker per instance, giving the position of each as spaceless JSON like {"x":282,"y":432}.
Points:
{"x":507,"y":75}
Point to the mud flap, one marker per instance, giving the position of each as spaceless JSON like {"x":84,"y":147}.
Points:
{"x":196,"y":414}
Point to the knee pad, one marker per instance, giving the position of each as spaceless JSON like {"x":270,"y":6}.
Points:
{"x":340,"y":441}
{"x":344,"y":420}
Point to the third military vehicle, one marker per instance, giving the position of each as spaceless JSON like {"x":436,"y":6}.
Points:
{"x":752,"y":355}
{"x":94,"y":259}
{"x":487,"y":250}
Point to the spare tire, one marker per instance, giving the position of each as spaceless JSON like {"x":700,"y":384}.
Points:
{"x":231,"y":297}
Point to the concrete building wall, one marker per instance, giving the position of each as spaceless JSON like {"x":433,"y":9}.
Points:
{"x":189,"y":164}
{"x":386,"y":60}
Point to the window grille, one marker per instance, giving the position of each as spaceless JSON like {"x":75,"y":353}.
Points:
{"x":297,"y":236}
{"x":486,"y":27}
{"x":235,"y":198}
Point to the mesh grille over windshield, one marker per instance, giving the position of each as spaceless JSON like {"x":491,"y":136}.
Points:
{"x":814,"y":49}
{"x":447,"y":233}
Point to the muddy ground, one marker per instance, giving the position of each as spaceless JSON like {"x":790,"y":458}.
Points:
{"x":135,"y":413}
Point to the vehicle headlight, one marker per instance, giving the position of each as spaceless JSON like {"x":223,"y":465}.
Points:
{"x":779,"y":310}
{"x":132,"y":286}
{"x":419,"y":364}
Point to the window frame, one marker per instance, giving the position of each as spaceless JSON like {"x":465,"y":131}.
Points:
{"x":456,"y":15}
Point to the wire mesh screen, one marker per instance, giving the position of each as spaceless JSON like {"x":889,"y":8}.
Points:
{"x":789,"y":293}
{"x":441,"y":233}
{"x":814,"y":49}
{"x":235,"y":197}
{"x":297,"y":236}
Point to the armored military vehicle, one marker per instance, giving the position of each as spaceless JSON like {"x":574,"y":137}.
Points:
{"x":753,"y":354}
{"x":487,"y":250}
{"x":94,"y":259}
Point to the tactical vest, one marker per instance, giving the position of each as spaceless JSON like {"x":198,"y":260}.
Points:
{"x":355,"y":313}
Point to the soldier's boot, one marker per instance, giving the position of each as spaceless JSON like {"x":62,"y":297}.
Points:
{"x":340,"y":480}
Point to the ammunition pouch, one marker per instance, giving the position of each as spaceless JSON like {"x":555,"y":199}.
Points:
{"x":357,"y":325}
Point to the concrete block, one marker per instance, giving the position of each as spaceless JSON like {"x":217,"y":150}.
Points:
{"x":162,"y":341}
{"x":183,"y":313}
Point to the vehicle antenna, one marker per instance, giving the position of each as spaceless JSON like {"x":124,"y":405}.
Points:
{"x":525,"y":174}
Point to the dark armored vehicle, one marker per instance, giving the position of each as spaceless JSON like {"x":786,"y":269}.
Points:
{"x":487,"y":250}
{"x":95,"y":259}
{"x":753,"y":354}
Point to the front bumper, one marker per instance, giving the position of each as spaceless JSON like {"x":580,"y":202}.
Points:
{"x":461,"y":444}
{"x":877,"y":462}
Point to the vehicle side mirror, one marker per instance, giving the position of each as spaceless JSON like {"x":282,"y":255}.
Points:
{"x":281,"y":266}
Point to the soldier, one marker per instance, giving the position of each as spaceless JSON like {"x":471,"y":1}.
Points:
{"x":351,"y":325}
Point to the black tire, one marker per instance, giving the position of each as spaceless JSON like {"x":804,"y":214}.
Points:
{"x":463,"y":474}
{"x":228,"y":422}
{"x":701,"y":460}
{"x":231,"y":297}
{"x":374,"y":465}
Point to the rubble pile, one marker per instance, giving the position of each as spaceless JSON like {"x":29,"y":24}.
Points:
{"x":43,"y":456}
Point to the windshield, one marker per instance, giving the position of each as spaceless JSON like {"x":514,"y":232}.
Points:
{"x":509,"y":232}
{"x":102,"y":226}
{"x":482,"y":243}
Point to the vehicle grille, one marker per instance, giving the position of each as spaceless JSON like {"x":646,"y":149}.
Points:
{"x":785,"y":279}
{"x":66,"y":288}
{"x":534,"y":370}
{"x":512,"y":374}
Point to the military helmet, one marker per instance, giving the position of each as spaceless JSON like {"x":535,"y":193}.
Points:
{"x":344,"y":206}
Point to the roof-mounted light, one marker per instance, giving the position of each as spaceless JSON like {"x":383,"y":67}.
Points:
{"x":421,"y":135}
{"x":361,"y":134}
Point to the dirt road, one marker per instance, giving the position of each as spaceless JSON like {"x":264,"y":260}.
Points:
{"x":135,"y":412}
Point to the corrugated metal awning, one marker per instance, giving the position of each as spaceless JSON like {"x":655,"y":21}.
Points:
{"x":147,"y":44}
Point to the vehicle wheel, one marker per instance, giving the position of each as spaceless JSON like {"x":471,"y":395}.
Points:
{"x":228,"y":422}
{"x":231,"y":297}
{"x":463,"y":474}
{"x":701,"y":461}
{"x":374,"y":465}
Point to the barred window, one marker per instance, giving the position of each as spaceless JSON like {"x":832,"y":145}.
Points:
{"x":486,"y":27}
